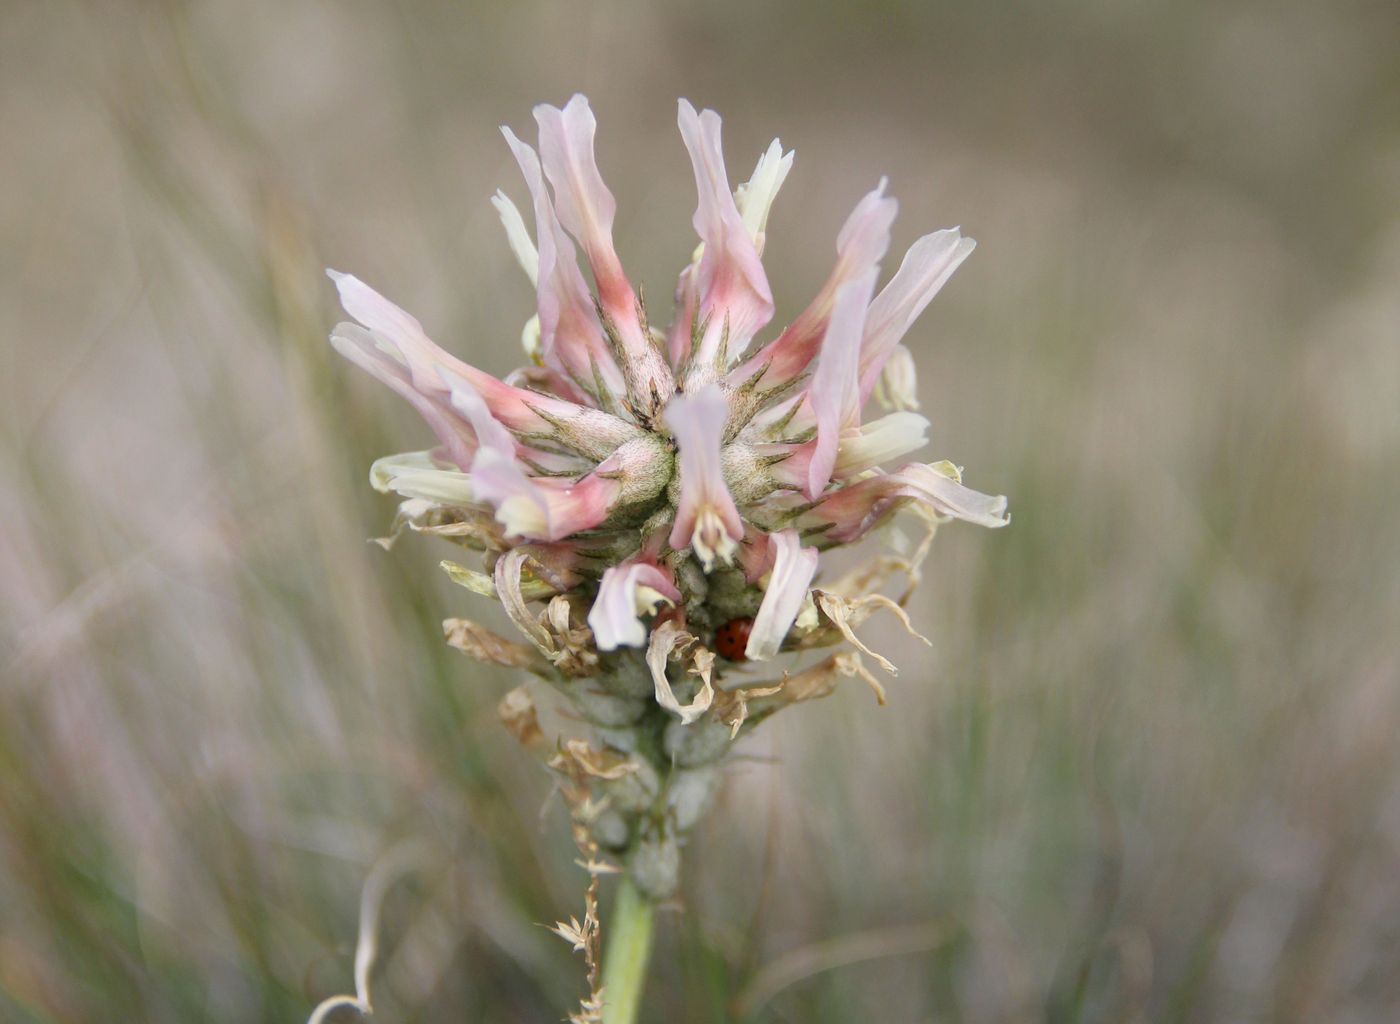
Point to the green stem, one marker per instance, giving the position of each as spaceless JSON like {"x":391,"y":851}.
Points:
{"x":629,"y":949}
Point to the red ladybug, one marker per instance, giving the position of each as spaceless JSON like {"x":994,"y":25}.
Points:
{"x":732,"y":638}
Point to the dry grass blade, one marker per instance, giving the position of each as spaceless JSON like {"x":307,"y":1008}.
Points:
{"x":404,"y":859}
{"x":808,"y":961}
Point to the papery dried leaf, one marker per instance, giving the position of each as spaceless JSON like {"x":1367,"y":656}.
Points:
{"x":577,"y":755}
{"x":480,"y":643}
{"x":735,"y":706}
{"x":516,"y":710}
{"x":571,"y":648}
{"x":732,"y":706}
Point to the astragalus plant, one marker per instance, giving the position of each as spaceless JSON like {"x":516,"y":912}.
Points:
{"x":651,"y":507}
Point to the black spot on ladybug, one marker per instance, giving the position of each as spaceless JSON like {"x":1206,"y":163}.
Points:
{"x":732,"y":638}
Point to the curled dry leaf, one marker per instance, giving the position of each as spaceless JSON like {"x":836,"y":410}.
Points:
{"x":668,"y":642}
{"x":735,"y":706}
{"x":847,"y":613}
{"x":480,"y":643}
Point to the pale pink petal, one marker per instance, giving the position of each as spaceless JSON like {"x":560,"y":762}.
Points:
{"x":520,"y":507}
{"x":678,"y":339}
{"x":400,"y":331}
{"x":855,"y":509}
{"x":731,"y":286}
{"x":793,"y":569}
{"x":358,"y":345}
{"x":926,"y":268}
{"x":625,"y":593}
{"x":577,"y":505}
{"x":401,"y":336}
{"x":834,"y":392}
{"x":755,"y":554}
{"x":586,"y":207}
{"x":859,"y":249}
{"x":707,"y":519}
{"x":571,"y":339}
{"x":490,"y":432}
{"x":544,"y":508}
{"x":526,"y":253}
{"x":540,"y":508}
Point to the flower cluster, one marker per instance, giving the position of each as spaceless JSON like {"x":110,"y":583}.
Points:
{"x":652,"y":506}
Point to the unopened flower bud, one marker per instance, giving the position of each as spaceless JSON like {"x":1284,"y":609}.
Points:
{"x":696,"y":744}
{"x":643,"y":466}
{"x":690,"y":793}
{"x":635,"y":791}
{"x":656,"y":867}
{"x":602,"y":708}
{"x":897,"y":386}
{"x":610,"y":829}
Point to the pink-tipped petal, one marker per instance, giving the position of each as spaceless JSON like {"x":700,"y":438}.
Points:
{"x":925,"y":269}
{"x":678,"y":338}
{"x":625,"y":593}
{"x":793,"y":569}
{"x":731,"y":285}
{"x":707,"y":519}
{"x":859,"y":248}
{"x":490,"y":432}
{"x":835,"y":388}
{"x":400,"y":335}
{"x":586,"y":207}
{"x":571,"y":339}
{"x":358,"y":345}
{"x":541,"y":508}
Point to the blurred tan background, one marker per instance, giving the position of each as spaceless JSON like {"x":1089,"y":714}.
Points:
{"x":1150,"y":769}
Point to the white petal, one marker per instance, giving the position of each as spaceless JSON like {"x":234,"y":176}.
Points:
{"x":419,"y":475}
{"x":887,"y":438}
{"x":786,"y":593}
{"x":623,"y":597}
{"x":755,"y":197}
{"x":943,"y":483}
{"x":518,"y":235}
{"x":835,"y":388}
{"x":924,"y":271}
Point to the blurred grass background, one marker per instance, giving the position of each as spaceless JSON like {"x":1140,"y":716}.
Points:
{"x":1150,"y":769}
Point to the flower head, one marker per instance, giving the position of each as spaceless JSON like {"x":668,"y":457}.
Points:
{"x":652,"y":489}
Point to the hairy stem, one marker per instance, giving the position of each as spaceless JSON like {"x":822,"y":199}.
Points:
{"x":628,"y":950}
